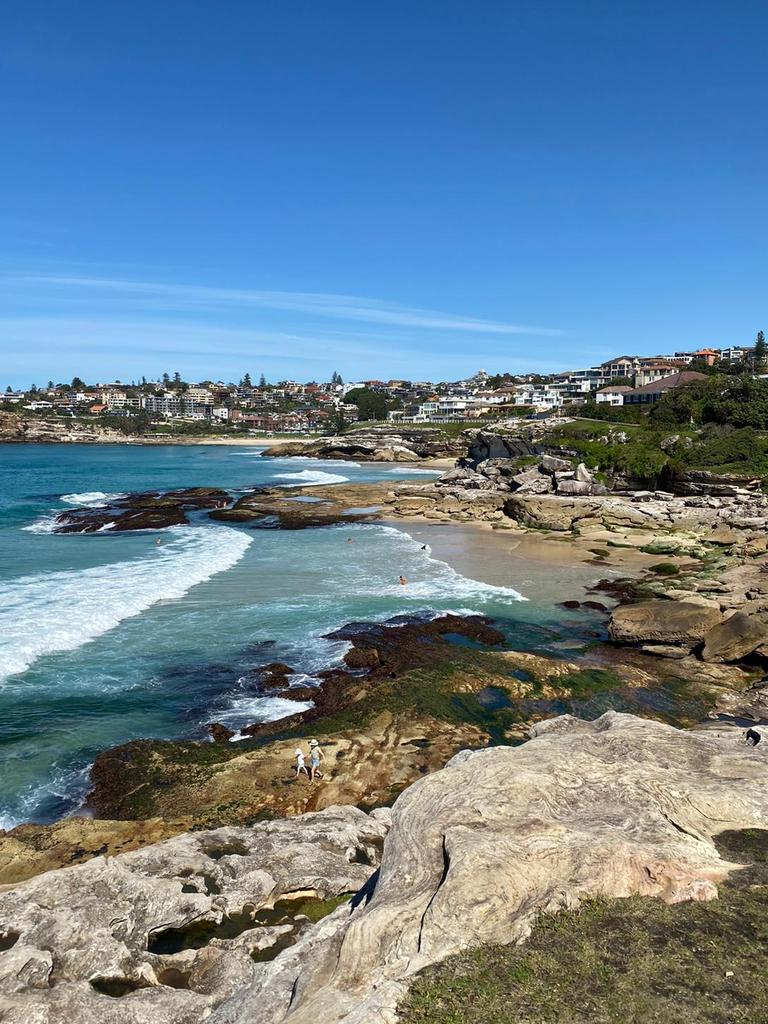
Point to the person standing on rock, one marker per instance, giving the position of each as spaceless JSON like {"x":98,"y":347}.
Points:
{"x":315,"y":757}
{"x":300,"y":765}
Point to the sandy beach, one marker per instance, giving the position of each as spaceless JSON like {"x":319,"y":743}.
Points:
{"x":545,"y":569}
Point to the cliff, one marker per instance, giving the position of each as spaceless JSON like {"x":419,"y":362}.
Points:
{"x":15,"y":428}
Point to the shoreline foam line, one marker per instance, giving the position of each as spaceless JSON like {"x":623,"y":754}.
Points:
{"x":442,"y":582}
{"x":310,"y":478}
{"x":77,"y":606}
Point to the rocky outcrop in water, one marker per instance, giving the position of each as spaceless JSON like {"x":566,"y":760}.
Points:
{"x":301,"y":508}
{"x":376,"y":739}
{"x":166,"y":933}
{"x":155,"y":510}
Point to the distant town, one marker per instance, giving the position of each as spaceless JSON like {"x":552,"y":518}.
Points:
{"x":288,"y":406}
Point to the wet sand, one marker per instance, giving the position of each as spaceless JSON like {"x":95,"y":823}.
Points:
{"x":543,"y":571}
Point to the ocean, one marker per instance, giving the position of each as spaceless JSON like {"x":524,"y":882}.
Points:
{"x":109,"y":637}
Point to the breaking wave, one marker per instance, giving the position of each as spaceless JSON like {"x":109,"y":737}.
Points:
{"x":61,"y":611}
{"x":311,"y":478}
{"x":95,"y":499}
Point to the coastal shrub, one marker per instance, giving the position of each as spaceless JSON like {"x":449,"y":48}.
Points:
{"x":610,"y":413}
{"x":741,"y":401}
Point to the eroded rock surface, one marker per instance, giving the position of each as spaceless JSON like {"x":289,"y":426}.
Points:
{"x":684,"y":622}
{"x":735,"y":638}
{"x":165,"y":933}
{"x":477,"y":851}
{"x":374,"y":444}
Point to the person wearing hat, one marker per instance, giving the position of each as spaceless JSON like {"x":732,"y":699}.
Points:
{"x":300,"y":766}
{"x":315,"y":757}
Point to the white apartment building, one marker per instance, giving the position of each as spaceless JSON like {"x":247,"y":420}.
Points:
{"x":613,"y":394}
{"x":442,"y":410}
{"x":542,"y":396}
{"x":195,"y":393}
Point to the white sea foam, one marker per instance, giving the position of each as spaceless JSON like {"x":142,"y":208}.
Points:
{"x":429,"y":579}
{"x":45,"y":524}
{"x":61,"y":611}
{"x":421,"y":472}
{"x":254,"y":710}
{"x":67,"y":788}
{"x":94,"y":499}
{"x":293,"y":460}
{"x":310,"y":478}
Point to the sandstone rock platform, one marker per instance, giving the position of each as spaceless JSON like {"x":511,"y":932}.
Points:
{"x":181,"y":931}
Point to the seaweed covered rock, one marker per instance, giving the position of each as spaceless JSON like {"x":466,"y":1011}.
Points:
{"x":154,"y":510}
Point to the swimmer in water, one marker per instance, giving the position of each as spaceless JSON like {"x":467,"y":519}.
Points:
{"x":158,"y":542}
{"x":402,"y":580}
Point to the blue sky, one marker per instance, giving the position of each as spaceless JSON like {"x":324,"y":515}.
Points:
{"x":396,"y":189}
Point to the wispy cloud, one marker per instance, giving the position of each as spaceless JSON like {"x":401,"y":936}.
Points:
{"x":122,"y":347}
{"x":185,"y":298}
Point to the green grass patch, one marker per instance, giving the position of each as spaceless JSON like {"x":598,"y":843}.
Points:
{"x":630,"y":961}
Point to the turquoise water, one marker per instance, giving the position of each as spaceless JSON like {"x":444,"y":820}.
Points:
{"x":104,"y":638}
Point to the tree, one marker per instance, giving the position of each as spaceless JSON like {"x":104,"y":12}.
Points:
{"x":337,"y":422}
{"x":50,"y":385}
{"x":177,"y":378}
{"x":262,"y":381}
{"x":760,"y":352}
{"x":33,"y":389}
{"x":9,"y":390}
{"x":246,"y":381}
{"x":77,"y":384}
{"x":166,"y":379}
{"x":336,"y":378}
{"x":371,"y":405}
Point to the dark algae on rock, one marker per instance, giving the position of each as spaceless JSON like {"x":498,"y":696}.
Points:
{"x":629,"y":961}
{"x":154,"y":510}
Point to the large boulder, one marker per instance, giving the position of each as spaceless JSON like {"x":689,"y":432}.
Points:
{"x":532,"y":481}
{"x":735,"y":638}
{"x":580,"y":487}
{"x":485,"y":445}
{"x":478,"y":851}
{"x":553,"y":464}
{"x":684,"y":623}
{"x":549,"y":512}
{"x":165,"y":933}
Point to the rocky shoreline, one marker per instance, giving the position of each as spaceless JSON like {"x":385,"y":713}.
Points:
{"x":706,"y":604}
{"x":224,"y":872}
{"x":259,"y":925}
